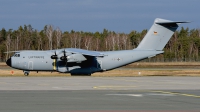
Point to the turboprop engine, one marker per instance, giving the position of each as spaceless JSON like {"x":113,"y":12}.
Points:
{"x":76,"y":58}
{"x":72,"y":58}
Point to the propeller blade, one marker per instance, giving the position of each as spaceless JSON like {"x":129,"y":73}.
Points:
{"x":64,"y":53}
{"x":54,"y":56}
{"x":65,"y":62}
{"x":65,"y":58}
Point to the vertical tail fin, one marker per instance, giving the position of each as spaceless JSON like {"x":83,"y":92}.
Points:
{"x":159,"y":34}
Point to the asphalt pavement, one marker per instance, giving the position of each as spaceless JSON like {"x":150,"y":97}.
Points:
{"x":99,"y":94}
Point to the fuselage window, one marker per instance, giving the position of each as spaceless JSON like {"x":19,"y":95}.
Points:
{"x":16,"y":55}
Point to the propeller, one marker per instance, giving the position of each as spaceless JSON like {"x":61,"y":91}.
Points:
{"x":64,"y":58}
{"x":54,"y":56}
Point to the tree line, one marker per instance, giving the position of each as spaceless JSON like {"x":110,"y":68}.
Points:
{"x":184,"y":44}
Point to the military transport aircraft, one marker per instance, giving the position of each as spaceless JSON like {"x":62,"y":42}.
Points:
{"x":85,"y":62}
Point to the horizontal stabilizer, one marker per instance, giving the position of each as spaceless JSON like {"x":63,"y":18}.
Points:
{"x":172,"y":22}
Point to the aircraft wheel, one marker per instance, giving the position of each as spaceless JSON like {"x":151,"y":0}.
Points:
{"x":26,"y":74}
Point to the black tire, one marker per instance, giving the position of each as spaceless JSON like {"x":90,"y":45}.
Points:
{"x":26,"y":74}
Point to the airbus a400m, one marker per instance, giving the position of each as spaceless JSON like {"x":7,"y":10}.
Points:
{"x":85,"y":62}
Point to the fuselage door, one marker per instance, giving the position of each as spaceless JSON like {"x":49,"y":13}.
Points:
{"x":30,"y":65}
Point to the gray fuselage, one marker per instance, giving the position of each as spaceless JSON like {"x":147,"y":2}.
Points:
{"x":41,"y":61}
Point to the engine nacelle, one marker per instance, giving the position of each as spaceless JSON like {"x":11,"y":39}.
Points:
{"x":63,"y":58}
{"x":54,"y":57}
{"x":76,"y":58}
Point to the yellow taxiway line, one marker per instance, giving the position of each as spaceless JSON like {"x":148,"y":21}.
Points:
{"x":174,"y":93}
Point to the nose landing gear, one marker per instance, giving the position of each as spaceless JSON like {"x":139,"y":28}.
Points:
{"x":26,"y":73}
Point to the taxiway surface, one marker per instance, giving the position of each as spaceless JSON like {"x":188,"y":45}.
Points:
{"x":99,"y":94}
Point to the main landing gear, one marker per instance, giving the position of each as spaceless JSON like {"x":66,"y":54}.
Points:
{"x":73,"y":74}
{"x":26,"y":73}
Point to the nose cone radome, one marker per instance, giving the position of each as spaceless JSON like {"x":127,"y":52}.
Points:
{"x":8,"y":62}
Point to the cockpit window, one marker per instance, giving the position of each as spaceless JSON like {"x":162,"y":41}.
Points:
{"x":16,"y":55}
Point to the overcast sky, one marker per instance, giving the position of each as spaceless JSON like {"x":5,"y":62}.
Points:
{"x":95,"y":15}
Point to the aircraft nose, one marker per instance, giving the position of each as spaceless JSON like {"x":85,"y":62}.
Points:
{"x":8,"y":62}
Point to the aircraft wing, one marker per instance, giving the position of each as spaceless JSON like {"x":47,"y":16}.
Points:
{"x":85,"y":52}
